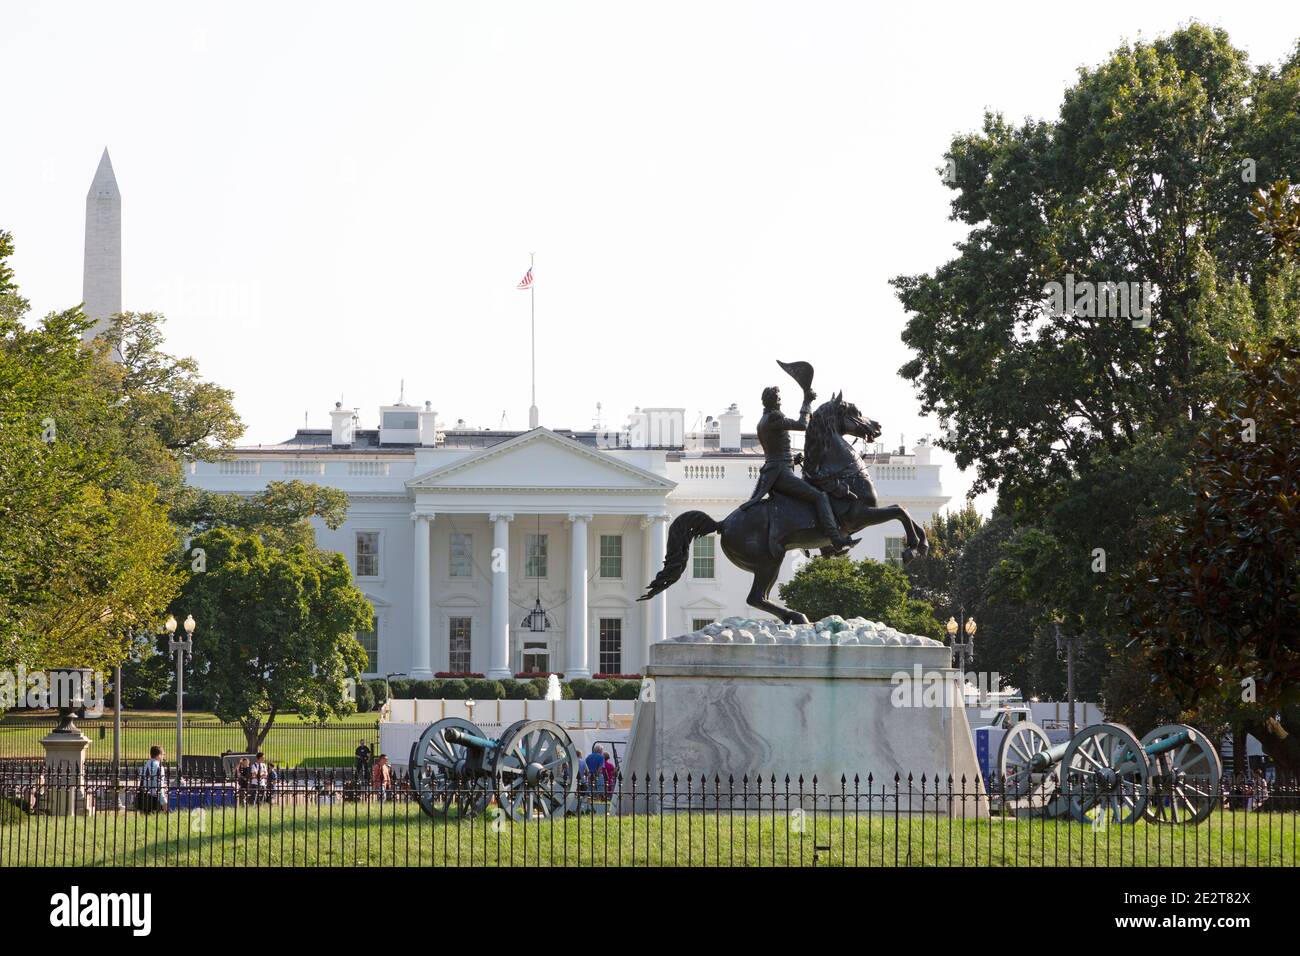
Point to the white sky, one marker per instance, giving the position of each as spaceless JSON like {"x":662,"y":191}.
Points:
{"x":325,"y":199}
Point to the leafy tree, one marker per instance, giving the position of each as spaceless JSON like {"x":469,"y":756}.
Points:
{"x":277,"y":629}
{"x":84,"y":545}
{"x":871,"y":589}
{"x":933,"y":576}
{"x":1082,"y":421}
{"x":281,"y":513}
{"x":1216,"y":604}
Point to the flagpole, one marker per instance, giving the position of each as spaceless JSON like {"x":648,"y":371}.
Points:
{"x":532,"y":321}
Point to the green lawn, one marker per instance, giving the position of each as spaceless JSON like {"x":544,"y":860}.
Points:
{"x":370,"y":834}
{"x":293,"y":741}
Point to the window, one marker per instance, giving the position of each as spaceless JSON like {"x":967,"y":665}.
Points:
{"x":537,"y":658}
{"x":459,"y":631}
{"x":894,"y":550}
{"x":535,"y":556}
{"x":611,"y":645}
{"x":462,"y":555}
{"x":702,"y":562}
{"x":369,"y":641}
{"x":611,"y":555}
{"x":367,"y":554}
{"x":700,"y":623}
{"x":405,"y":421}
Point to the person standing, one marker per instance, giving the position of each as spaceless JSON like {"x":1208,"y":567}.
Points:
{"x":153,"y":782}
{"x":381,"y":778}
{"x":260,"y":774}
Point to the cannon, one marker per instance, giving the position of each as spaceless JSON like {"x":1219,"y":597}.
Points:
{"x":1171,"y":775}
{"x":530,"y":771}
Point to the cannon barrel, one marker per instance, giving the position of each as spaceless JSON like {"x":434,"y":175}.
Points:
{"x":455,"y":735}
{"x":1046,"y":759}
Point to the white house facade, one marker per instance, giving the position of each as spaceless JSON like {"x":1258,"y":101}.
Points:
{"x":457,"y":535}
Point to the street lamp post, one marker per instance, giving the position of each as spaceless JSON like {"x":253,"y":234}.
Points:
{"x":965,"y":649}
{"x":1066,"y":644}
{"x":181,"y":648}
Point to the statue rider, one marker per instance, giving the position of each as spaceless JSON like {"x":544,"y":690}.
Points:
{"x":777,"y":473}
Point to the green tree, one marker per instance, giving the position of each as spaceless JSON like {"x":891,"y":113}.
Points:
{"x":277,"y":629}
{"x":1216,"y":604}
{"x":85,"y":546}
{"x":869,"y":589}
{"x":281,"y":513}
{"x":1083,"y":422}
{"x":934,"y":576}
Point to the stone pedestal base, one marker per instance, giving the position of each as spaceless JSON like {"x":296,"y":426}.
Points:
{"x":64,"y":792}
{"x":859,"y":719}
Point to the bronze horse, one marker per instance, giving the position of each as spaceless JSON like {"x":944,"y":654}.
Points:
{"x":756,"y":539}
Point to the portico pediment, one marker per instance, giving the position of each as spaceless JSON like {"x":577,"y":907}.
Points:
{"x":541,"y":461}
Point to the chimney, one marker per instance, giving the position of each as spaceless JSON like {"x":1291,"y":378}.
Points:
{"x":428,"y":425}
{"x":729,"y":429}
{"x":341,"y":428}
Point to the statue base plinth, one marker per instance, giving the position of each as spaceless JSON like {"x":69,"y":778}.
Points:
{"x":857,"y":715}
{"x":64,"y":790}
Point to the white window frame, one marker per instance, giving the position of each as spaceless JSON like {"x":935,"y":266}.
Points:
{"x":451,"y":619}
{"x":379,"y":554}
{"x":713,"y":539}
{"x":600,"y":557}
{"x":451,"y":553}
{"x":544,"y":538}
{"x":603,"y":615}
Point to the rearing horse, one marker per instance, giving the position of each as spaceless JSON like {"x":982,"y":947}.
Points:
{"x":756,"y":539}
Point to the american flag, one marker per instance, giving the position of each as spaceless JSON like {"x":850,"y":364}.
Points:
{"x":527,"y":281}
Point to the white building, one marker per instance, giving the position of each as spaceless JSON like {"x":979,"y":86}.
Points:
{"x":577,"y":521}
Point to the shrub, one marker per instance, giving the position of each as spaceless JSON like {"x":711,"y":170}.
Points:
{"x":365,"y":697}
{"x":452,"y":689}
{"x":521,"y":690}
{"x":380,"y":690}
{"x":626,"y":690}
{"x":483,"y":689}
{"x":426,"y":689}
{"x":401,"y":688}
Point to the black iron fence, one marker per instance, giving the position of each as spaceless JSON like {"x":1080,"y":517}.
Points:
{"x":134,"y":816}
{"x":290,"y":742}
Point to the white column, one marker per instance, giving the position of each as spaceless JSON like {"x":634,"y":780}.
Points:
{"x":577,"y":625}
{"x":654,"y":535}
{"x":499,"y":639}
{"x":421,"y":637}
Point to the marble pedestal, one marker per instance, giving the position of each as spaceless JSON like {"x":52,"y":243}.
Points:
{"x":854,"y":717}
{"x":64,"y":792}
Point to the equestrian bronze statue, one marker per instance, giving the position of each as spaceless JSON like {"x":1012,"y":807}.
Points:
{"x":833,"y":498}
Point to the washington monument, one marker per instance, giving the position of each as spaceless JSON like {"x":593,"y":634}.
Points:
{"x":101,"y":283}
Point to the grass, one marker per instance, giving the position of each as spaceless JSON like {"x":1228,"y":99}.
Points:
{"x":293,"y":741}
{"x":399,"y":834}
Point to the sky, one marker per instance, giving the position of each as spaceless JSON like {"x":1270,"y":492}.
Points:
{"x":328,"y":200}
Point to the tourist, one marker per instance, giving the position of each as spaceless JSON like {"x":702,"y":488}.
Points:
{"x":611,"y":775}
{"x":272,"y":776}
{"x":153,"y":782}
{"x":596,"y":771}
{"x":259,"y":775}
{"x":243,"y":780}
{"x":1260,"y":787}
{"x":381,"y":778}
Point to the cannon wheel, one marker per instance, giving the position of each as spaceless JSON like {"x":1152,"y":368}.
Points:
{"x":1185,"y":780}
{"x":1018,"y":747}
{"x":536,"y":771}
{"x":438,"y":776}
{"x":1104,"y":772}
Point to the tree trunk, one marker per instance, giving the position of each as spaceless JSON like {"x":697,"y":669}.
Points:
{"x":1284,"y":751}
